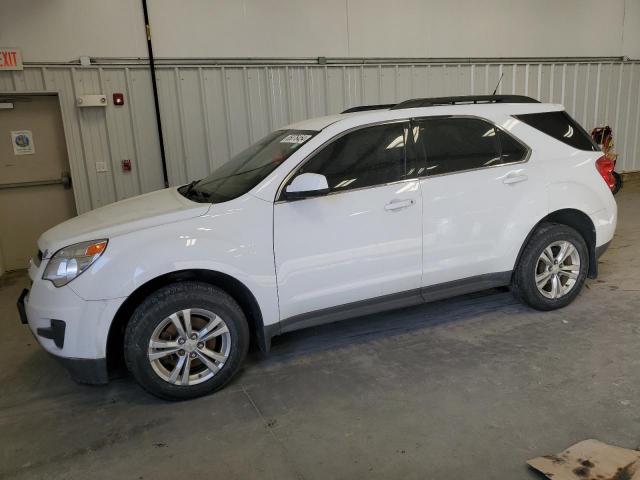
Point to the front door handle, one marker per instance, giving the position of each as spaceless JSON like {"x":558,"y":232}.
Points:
{"x":398,"y":204}
{"x":514,"y":178}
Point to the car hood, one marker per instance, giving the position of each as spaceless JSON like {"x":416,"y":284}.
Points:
{"x":136,"y":213}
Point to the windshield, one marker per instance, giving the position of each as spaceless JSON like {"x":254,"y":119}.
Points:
{"x":248,"y":168}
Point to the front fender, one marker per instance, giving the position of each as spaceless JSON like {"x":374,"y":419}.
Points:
{"x":234,"y":238}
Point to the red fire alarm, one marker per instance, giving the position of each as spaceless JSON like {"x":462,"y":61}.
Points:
{"x":118,"y":99}
{"x":126,"y":165}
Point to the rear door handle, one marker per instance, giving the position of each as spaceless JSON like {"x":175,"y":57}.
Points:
{"x":398,"y":204}
{"x":514,"y":178}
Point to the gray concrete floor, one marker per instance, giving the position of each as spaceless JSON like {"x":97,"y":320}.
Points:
{"x":466,"y":388}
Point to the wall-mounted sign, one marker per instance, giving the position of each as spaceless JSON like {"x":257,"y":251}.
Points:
{"x":10,"y":58}
{"x":91,"y":101}
{"x":22,"y":141}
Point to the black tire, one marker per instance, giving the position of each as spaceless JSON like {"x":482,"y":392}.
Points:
{"x":523,"y":284}
{"x":163,"y":303}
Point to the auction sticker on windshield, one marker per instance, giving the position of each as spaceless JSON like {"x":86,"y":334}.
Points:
{"x":295,"y":138}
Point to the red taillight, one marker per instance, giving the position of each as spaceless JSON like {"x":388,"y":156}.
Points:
{"x":605,"y":167}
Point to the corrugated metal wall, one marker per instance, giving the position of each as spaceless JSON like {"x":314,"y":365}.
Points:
{"x":211,"y":112}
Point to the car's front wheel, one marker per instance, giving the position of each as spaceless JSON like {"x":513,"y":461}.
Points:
{"x":186,"y":340}
{"x":552,"y":268}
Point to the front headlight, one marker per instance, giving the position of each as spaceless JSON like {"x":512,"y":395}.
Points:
{"x":71,"y":261}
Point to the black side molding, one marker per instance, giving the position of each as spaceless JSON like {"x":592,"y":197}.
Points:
{"x":466,"y":285}
{"x":389,"y":302}
{"x":350,"y":310}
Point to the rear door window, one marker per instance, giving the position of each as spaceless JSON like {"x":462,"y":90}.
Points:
{"x":511,"y":150}
{"x":458,"y":144}
{"x":562,"y":127}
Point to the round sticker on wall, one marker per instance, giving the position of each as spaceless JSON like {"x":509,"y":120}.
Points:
{"x":22,"y":141}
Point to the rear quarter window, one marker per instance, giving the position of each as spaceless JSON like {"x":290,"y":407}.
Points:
{"x":562,"y":127}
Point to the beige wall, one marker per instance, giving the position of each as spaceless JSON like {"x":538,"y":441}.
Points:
{"x":65,"y":29}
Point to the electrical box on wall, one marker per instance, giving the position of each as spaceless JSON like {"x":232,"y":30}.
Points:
{"x":91,"y":101}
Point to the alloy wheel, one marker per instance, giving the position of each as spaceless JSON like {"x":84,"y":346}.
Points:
{"x":189,"y":346}
{"x":557,"y":269}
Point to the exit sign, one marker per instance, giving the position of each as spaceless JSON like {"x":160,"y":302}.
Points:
{"x":10,"y":58}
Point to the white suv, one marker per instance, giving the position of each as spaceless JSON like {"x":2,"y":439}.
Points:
{"x":376,"y":208}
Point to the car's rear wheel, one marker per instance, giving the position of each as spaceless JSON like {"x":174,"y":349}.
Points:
{"x":186,"y":340}
{"x":552,"y":268}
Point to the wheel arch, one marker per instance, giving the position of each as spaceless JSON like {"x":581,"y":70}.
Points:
{"x":577,"y":220}
{"x":240,"y":293}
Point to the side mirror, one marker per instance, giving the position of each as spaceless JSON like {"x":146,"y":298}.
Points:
{"x":307,"y":185}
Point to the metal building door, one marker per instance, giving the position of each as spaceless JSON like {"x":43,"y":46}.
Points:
{"x":35,"y":186}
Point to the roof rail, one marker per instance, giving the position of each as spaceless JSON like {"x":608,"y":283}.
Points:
{"x":364,"y":108}
{"x":464,"y":99}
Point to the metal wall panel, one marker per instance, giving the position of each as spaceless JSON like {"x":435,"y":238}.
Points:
{"x":211,"y":112}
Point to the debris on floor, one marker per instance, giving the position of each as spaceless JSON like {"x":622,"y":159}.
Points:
{"x":590,"y":460}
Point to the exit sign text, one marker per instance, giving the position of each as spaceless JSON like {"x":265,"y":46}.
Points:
{"x":10,"y":59}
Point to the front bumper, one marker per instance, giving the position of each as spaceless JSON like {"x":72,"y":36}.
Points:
{"x":86,"y":370}
{"x":70,"y":328}
{"x":82,"y":370}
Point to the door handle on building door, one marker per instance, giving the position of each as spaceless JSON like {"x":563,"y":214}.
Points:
{"x":65,"y":178}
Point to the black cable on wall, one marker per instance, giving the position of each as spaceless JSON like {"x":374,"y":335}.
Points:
{"x":154,"y":85}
